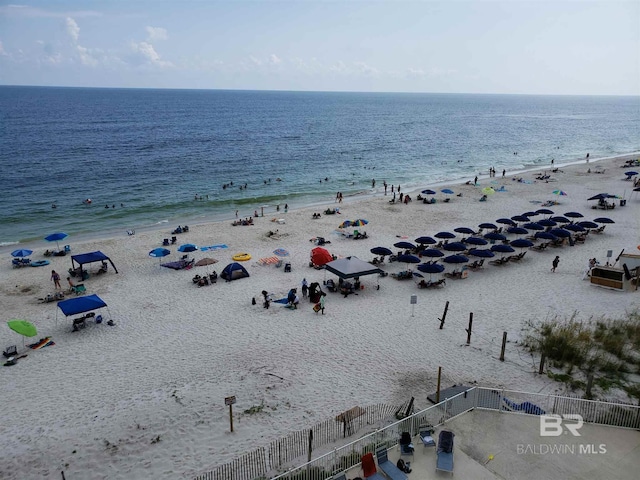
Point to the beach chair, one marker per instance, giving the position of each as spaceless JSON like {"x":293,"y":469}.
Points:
{"x":369,"y":469}
{"x":444,"y":452}
{"x":11,"y":351}
{"x":79,"y":289}
{"x":426,"y":436}
{"x":406,"y":444}
{"x":79,"y":323}
{"x":387,"y":467}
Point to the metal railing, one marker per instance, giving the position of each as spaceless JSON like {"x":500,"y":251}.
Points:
{"x":508,"y":401}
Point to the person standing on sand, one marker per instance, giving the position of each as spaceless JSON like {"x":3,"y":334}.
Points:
{"x":555,"y":263}
{"x":305,"y":288}
{"x":503,"y":172}
{"x":56,"y":279}
{"x":475,"y":181}
{"x":322,"y":295}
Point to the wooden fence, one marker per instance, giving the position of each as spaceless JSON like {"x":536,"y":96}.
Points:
{"x":295,"y":446}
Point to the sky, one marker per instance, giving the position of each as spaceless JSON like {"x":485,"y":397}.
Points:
{"x":559,"y":47}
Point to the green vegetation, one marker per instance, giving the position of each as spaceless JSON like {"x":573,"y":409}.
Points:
{"x":594,"y":354}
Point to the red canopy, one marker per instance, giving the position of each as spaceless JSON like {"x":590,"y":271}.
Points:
{"x":320,"y":256}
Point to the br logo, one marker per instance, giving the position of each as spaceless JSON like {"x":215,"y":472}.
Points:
{"x":554,"y":425}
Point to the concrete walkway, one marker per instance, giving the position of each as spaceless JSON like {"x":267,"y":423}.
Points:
{"x":519,"y":452}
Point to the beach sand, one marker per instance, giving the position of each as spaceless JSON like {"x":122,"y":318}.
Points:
{"x":144,"y":398}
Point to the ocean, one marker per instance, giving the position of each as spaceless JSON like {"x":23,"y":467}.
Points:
{"x":191,"y":156}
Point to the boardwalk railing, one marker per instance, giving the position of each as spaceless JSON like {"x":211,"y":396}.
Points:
{"x":344,"y":457}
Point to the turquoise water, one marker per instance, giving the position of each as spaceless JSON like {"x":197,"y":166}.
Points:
{"x":149,"y":153}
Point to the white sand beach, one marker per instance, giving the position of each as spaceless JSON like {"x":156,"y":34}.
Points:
{"x":144,"y":398}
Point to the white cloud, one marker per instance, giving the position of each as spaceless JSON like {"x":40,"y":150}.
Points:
{"x":72,"y":28}
{"x":156,"y":33}
{"x":144,"y":53}
{"x":274,"y":60}
{"x":366,"y":69}
{"x":86,"y":56}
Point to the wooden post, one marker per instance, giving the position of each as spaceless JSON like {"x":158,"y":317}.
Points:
{"x":542,"y":359}
{"x":310,"y":445}
{"x":444,"y":315}
{"x":469,"y":329}
{"x":439,"y":377}
{"x":504,"y":344}
{"x":230,"y":401}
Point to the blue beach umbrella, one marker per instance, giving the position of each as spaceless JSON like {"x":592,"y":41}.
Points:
{"x":482,"y":253}
{"x":533,"y":226}
{"x":23,"y":252}
{"x":520,"y":218}
{"x":501,"y":248}
{"x":432,"y":253}
{"x":547,"y":222}
{"x":455,"y":259}
{"x":517,"y":230}
{"x":603,"y":220}
{"x":544,"y":211}
{"x":530,"y":214}
{"x":445,"y":235}
{"x":560,"y":219}
{"x":573,"y":215}
{"x":425,"y":240}
{"x":159,"y":253}
{"x":545,"y":236}
{"x":494,"y":236}
{"x":560,"y":232}
{"x":428,"y":192}
{"x":409,"y":259}
{"x":574,"y":227}
{"x":506,"y":221}
{"x":381,"y":251}
{"x":630,"y":173}
{"x":521,"y":243}
{"x":454,"y":247}
{"x":488,"y":226}
{"x":475,"y":241}
{"x":55,"y":237}
{"x":187,"y":247}
{"x":588,"y":224}
{"x":447,"y":191}
{"x":464,"y":230}
{"x":405,"y":245}
{"x":430,"y":268}
{"x":281,"y":252}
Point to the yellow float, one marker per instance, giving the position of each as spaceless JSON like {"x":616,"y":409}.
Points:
{"x":241,"y":257}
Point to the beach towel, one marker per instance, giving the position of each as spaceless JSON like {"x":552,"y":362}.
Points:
{"x":284,"y":301}
{"x":44,"y":342}
{"x":269,"y":260}
{"x":214,"y":247}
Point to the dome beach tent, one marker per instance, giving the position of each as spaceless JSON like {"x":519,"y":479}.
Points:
{"x":78,"y":305}
{"x":234,"y":271}
{"x":320,"y":256}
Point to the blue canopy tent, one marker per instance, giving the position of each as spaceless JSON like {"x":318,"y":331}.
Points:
{"x":91,"y":257}
{"x":78,"y":305}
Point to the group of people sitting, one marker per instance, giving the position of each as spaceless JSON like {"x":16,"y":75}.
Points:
{"x":180,"y":230}
{"x":331,"y":211}
{"x":315,"y":216}
{"x":243,"y":221}
{"x":206,"y":279}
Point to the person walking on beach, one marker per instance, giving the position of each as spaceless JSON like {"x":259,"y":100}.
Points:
{"x":475,"y":180}
{"x":322,"y":295}
{"x":503,"y":172}
{"x":555,"y":263}
{"x":56,"y":279}
{"x":305,"y":288}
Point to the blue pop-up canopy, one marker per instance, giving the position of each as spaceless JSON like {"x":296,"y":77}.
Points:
{"x":90,"y":257}
{"x":81,"y":304}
